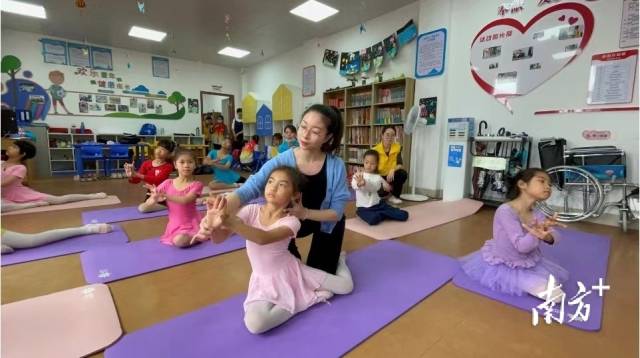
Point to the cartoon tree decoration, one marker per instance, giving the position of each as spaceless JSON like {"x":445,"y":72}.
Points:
{"x":176,"y":98}
{"x":11,"y":66}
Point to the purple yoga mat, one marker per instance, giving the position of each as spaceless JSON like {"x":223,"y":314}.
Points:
{"x":584,"y":255}
{"x":389,"y":277}
{"x":126,"y":213}
{"x":68,"y":246}
{"x":139,"y":257}
{"x":130,"y":213}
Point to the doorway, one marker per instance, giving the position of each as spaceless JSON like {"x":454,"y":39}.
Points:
{"x":212,"y":104}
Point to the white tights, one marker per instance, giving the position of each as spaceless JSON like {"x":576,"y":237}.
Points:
{"x":262,"y":316}
{"x":12,"y":240}
{"x":50,"y":200}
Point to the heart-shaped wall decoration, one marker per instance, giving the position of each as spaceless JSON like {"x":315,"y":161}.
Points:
{"x":511,"y":59}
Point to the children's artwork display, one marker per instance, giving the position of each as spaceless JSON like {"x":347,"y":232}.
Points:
{"x":512,"y":59}
{"x":330,"y":58}
{"x":22,"y":93}
{"x":428,"y":107}
{"x":160,"y":67}
{"x":194,"y":106}
{"x":353,"y":62}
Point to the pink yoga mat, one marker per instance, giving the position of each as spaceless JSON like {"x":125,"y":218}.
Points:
{"x":71,"y":323}
{"x":421,"y":217}
{"x":109,"y":200}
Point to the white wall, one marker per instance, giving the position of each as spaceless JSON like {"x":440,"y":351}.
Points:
{"x":458,"y":94}
{"x":567,"y":89}
{"x":188,"y":77}
{"x":263,"y":79}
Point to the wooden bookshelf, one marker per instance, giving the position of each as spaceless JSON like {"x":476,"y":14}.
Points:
{"x":366,"y":110}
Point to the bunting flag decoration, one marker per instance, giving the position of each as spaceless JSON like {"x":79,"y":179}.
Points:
{"x":407,"y":33}
{"x":391,"y":46}
{"x":352,"y":62}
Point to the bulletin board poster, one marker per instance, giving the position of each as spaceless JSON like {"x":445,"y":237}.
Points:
{"x":309,"y":81}
{"x":629,"y":24}
{"x":160,"y":67}
{"x":101,"y":58}
{"x":454,"y":159}
{"x":79,"y":55}
{"x":54,"y":51}
{"x":430,"y":53}
{"x":612,"y":77}
{"x":512,"y":59}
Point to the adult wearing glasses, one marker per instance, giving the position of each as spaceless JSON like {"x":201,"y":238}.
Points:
{"x":390,"y":164}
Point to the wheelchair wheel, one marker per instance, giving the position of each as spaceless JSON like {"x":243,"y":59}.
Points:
{"x":575,"y":195}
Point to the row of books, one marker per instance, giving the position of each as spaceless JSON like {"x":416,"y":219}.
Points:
{"x":359,"y":116}
{"x":357,"y":135}
{"x":395,"y":94}
{"x":336,"y":102}
{"x":389,"y":115}
{"x":360,"y":99}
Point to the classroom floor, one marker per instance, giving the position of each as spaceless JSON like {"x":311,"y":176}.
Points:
{"x":450,"y":323}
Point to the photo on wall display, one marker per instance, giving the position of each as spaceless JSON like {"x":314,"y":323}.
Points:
{"x":133,"y":102}
{"x":344,"y":61}
{"x":83,"y":107}
{"x":150,"y":104}
{"x":428,"y":107}
{"x":102,"y":99}
{"x":142,"y":108}
{"x":194,"y":105}
{"x":571,"y":32}
{"x":159,"y":109}
{"x":95,"y":107}
{"x":491,"y":52}
{"x":86,"y":98}
{"x":110,"y":107}
{"x":114,"y":100}
{"x":123,"y":108}
{"x":522,"y":53}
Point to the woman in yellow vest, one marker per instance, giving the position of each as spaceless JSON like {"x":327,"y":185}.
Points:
{"x":390,"y":164}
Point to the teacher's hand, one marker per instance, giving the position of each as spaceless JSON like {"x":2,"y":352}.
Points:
{"x":298,"y":210}
{"x":390,"y":175}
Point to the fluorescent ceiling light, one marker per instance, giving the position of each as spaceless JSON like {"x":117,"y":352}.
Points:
{"x":314,"y":11}
{"x":233,"y":52}
{"x":23,"y":8}
{"x":147,"y":34}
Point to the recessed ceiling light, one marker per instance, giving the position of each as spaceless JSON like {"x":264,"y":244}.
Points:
{"x":233,"y":52}
{"x":314,"y":11}
{"x":147,"y":34}
{"x":23,"y":8}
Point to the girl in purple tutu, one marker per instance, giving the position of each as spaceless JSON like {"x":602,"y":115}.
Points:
{"x":512,"y":262}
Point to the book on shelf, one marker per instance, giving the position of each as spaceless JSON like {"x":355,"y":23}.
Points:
{"x":359,"y":116}
{"x":360,"y":99}
{"x":336,"y":102}
{"x":393,"y":115}
{"x":394,"y":94}
{"x":358,"y":135}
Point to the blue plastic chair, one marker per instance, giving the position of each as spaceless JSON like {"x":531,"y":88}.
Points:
{"x":116,"y":152}
{"x":91,"y":152}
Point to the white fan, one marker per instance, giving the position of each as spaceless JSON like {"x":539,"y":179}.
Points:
{"x":410,"y":124}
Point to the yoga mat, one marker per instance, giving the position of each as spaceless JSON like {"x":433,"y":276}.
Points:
{"x":68,"y":246}
{"x":70,"y":323}
{"x":421,"y":217}
{"x":584,"y":255}
{"x":139,"y":257}
{"x":389,"y":278}
{"x":127,"y":213}
{"x":109,"y":200}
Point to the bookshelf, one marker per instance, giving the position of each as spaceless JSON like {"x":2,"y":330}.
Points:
{"x":366,"y":110}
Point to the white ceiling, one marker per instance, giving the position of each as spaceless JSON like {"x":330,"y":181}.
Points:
{"x":196,"y":28}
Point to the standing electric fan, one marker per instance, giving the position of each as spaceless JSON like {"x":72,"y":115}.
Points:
{"x":410,"y":124}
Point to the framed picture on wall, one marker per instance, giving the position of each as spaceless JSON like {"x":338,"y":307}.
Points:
{"x":101,"y":58}
{"x":54,"y":51}
{"x":309,"y":81}
{"x":160,"y":67}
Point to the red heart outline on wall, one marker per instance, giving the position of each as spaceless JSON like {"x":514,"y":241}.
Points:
{"x":517,"y":64}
